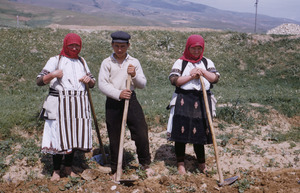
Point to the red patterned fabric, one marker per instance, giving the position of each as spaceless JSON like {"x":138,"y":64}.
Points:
{"x":193,"y":41}
{"x":71,"y":38}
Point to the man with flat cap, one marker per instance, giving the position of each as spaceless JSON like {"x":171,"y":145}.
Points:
{"x":113,"y":73}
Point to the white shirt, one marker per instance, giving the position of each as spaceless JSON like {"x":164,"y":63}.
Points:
{"x":73,"y":70}
{"x":194,"y":84}
{"x":112,"y":76}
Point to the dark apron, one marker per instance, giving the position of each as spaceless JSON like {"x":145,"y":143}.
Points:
{"x":190,"y":123}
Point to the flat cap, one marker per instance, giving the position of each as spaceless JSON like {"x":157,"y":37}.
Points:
{"x":120,"y":36}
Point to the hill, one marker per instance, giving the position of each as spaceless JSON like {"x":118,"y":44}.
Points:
{"x":164,"y":13}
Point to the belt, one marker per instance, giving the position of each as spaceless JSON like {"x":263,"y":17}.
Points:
{"x":53,"y":92}
{"x":194,"y":92}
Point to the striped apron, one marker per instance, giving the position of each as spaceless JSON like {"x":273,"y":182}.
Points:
{"x":74,"y":121}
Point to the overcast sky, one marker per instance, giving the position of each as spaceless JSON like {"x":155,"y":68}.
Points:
{"x":276,"y":8}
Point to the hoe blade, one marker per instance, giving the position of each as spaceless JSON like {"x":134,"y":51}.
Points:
{"x":228,"y":181}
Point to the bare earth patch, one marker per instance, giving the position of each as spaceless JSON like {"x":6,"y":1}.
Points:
{"x":261,"y":164}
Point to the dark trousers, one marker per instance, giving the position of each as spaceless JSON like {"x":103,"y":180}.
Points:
{"x":137,"y":127}
{"x":180,"y":152}
{"x":57,"y":160}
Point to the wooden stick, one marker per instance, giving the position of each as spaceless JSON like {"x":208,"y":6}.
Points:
{"x":212,"y":130}
{"x":96,"y":124}
{"x":120,"y":157}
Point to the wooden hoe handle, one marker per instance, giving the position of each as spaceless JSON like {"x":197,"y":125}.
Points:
{"x":221,"y":179}
{"x":96,"y":124}
{"x":120,"y":157}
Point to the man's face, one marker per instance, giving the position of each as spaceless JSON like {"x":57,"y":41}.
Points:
{"x":120,"y":49}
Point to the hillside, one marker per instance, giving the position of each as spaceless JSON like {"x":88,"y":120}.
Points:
{"x":257,"y":123}
{"x":164,"y":13}
{"x":37,"y":16}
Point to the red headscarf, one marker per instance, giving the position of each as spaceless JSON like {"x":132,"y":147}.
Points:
{"x":71,"y":38}
{"x":193,"y":41}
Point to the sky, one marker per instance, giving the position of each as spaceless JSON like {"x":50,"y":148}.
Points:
{"x":289,"y":9}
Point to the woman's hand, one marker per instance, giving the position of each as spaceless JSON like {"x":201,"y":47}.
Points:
{"x":87,"y":80}
{"x":57,"y":74}
{"x":196,"y":73}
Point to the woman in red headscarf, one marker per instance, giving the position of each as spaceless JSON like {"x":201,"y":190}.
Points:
{"x":188,"y":121}
{"x":66,"y":108}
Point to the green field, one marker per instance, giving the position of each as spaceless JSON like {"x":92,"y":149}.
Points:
{"x":254,"y":69}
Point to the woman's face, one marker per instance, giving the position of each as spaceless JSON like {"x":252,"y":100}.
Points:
{"x":196,"y":51}
{"x":74,"y":47}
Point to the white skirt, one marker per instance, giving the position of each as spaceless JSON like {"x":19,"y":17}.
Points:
{"x":172,"y":106}
{"x":72,"y":128}
{"x":50,"y":142}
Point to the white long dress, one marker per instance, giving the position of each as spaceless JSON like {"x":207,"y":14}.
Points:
{"x":70,"y":127}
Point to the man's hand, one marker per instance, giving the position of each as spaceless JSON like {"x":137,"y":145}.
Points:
{"x":131,"y":70}
{"x":125,"y":94}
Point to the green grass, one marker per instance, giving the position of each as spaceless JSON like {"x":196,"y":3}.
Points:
{"x":5,"y":150}
{"x":262,"y":72}
{"x":277,"y":137}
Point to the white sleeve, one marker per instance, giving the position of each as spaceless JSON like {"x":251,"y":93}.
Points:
{"x":139,"y":80}
{"x":211,"y":67}
{"x":51,"y":64}
{"x":176,"y":69}
{"x":104,"y":84}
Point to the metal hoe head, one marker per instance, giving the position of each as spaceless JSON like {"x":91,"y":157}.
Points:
{"x":127,"y":182}
{"x":228,"y":181}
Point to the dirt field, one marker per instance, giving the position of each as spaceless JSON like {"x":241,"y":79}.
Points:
{"x":260,"y":164}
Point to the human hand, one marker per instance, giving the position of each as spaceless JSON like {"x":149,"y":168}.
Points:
{"x":131,"y":70}
{"x":85,"y":79}
{"x":125,"y":94}
{"x":195,"y":73}
{"x":57,"y":74}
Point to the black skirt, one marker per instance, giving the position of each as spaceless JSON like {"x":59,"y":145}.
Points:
{"x":190,"y":123}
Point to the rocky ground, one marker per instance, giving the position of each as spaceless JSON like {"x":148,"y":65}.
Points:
{"x":261,"y":164}
{"x":286,"y":29}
